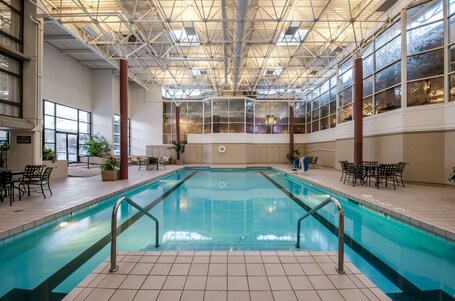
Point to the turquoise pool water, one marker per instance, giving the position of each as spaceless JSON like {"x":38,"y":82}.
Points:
{"x":227,"y":210}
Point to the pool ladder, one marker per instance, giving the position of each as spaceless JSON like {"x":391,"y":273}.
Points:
{"x":340,"y":229}
{"x":114,"y":266}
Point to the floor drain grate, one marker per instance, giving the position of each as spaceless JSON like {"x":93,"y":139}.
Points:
{"x":20,"y":210}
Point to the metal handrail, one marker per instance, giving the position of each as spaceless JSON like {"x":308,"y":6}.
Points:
{"x":340,"y":229}
{"x":114,"y":266}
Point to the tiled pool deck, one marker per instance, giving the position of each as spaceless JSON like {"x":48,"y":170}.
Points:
{"x":221,"y":276}
{"x":239,"y":275}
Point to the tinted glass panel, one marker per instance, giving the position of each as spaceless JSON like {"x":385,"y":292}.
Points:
{"x":388,"y":54}
{"x":345,"y":113}
{"x":388,"y":100}
{"x":452,"y":86}
{"x":368,"y":86}
{"x":425,"y":13}
{"x":427,"y":91}
{"x":425,"y":38}
{"x":426,"y":64}
{"x":345,"y":97}
{"x":368,"y":66}
{"x":388,"y":77}
{"x":388,"y":34}
{"x":368,"y":106}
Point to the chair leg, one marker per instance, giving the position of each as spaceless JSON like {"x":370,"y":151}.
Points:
{"x":42,"y":190}
{"x":48,"y":186}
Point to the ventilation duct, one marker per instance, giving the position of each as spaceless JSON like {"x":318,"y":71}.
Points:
{"x":241,"y":11}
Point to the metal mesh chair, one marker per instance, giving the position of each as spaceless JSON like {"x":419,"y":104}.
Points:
{"x":43,"y":181}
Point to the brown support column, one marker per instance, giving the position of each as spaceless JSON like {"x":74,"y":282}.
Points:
{"x":291,"y":127}
{"x":177,"y":122}
{"x":358,"y":109}
{"x":123,"y":119}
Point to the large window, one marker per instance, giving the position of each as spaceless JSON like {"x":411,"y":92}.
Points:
{"x":117,"y":135}
{"x":425,"y":54}
{"x":452,"y":50}
{"x":321,"y":108}
{"x":226,"y":115}
{"x":345,"y":91}
{"x":10,"y":68}
{"x":387,"y":66}
{"x":65,"y":130}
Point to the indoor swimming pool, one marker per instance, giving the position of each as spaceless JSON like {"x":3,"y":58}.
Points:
{"x":220,"y":209}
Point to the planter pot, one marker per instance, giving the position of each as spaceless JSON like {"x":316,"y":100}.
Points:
{"x":180,"y":162}
{"x":110,"y":175}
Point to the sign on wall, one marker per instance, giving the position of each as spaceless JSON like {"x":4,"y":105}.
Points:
{"x":24,"y":140}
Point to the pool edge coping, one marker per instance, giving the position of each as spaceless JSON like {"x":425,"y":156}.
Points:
{"x":18,"y":231}
{"x":421,"y":225}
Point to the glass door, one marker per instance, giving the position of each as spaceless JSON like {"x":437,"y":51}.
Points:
{"x":67,"y":146}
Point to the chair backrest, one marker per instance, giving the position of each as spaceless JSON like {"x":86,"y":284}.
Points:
{"x":46,"y":174}
{"x":370,"y":163}
{"x":315,"y":160}
{"x":153,"y":160}
{"x":386,"y":169}
{"x":33,"y":171}
{"x":343,"y":165}
{"x":400,"y":167}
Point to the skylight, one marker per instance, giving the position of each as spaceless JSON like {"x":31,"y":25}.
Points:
{"x":275,"y":72}
{"x":198,"y":72}
{"x":291,"y":37}
{"x":185,"y":37}
{"x":181,"y":93}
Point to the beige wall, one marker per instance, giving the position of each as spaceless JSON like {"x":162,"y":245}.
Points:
{"x":430,"y":154}
{"x":324,"y":150}
{"x":237,"y":153}
{"x":425,"y":154}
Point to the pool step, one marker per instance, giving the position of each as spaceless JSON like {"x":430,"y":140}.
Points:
{"x":226,"y":275}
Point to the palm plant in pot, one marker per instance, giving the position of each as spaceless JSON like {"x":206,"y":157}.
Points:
{"x":110,"y":170}
{"x":179,"y":147}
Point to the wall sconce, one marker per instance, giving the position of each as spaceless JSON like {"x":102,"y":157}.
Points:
{"x":270,"y":119}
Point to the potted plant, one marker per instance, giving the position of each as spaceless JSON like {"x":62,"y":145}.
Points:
{"x":49,"y":154}
{"x":110,"y":170}
{"x":179,"y":147}
{"x":292,"y":155}
{"x":4,"y":148}
{"x":96,"y":146}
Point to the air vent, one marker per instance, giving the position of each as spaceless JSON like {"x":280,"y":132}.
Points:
{"x":190,"y":31}
{"x":386,"y":6}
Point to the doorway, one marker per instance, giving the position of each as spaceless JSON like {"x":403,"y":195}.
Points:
{"x":66,"y":146}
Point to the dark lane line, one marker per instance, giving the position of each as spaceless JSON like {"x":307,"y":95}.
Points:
{"x":46,"y":287}
{"x":397,"y":279}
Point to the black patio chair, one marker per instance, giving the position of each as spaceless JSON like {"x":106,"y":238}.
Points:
{"x":343,"y":169}
{"x":6,"y":186}
{"x":43,"y":181}
{"x":31,"y":173}
{"x":385,"y":173}
{"x":152,"y":163}
{"x":351,"y":173}
{"x":399,"y":172}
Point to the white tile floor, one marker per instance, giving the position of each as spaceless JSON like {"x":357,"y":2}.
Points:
{"x":221,"y":276}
